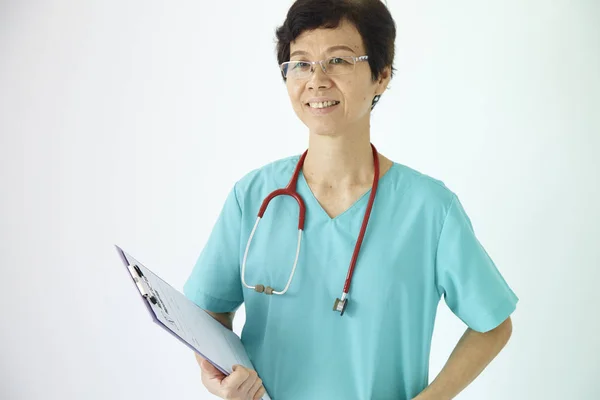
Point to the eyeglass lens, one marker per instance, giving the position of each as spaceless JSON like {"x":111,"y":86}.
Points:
{"x":333,"y":66}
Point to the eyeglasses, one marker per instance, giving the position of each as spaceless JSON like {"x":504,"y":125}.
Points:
{"x":331,"y":66}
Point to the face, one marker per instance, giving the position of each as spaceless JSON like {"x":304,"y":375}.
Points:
{"x":354,"y":91}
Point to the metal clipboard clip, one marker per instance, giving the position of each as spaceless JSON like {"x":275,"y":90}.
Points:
{"x":141,"y":283}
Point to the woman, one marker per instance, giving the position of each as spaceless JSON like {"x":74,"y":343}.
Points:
{"x":306,"y":339}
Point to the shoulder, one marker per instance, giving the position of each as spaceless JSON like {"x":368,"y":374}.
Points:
{"x":419,"y":189}
{"x":266,"y":178}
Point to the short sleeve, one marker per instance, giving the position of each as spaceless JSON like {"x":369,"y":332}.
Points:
{"x":214,"y":283}
{"x":473,"y":287}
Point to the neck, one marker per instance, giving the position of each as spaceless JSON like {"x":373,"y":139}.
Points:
{"x":339,"y":160}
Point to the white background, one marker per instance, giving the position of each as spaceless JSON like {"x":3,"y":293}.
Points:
{"x":127,"y":122}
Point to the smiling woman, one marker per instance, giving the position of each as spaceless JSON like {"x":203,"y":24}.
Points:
{"x":336,"y":59}
{"x":351,"y":41}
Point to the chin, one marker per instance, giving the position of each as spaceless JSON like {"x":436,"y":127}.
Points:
{"x":325,"y":129}
{"x":324,"y":132}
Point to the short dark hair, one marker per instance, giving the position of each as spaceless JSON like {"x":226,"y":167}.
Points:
{"x":371,"y":18}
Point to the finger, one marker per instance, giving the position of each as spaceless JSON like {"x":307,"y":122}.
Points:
{"x":246,"y":386}
{"x":235,"y":380}
{"x":258,"y":390}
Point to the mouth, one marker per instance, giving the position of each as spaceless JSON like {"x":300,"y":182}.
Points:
{"x":324,"y":104}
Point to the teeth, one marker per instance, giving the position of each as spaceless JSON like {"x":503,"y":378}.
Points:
{"x":324,"y":104}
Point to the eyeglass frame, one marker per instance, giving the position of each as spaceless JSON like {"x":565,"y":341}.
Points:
{"x":320,"y":62}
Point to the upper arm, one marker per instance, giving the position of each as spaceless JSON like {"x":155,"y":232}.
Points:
{"x":214,"y":283}
{"x":471,"y":283}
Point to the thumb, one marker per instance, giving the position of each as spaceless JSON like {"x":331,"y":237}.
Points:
{"x":210,"y":369}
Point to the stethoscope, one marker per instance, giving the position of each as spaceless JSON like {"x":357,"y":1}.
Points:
{"x":290,"y":190}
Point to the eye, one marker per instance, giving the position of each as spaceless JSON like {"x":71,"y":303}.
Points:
{"x":338,"y":60}
{"x":301,"y":65}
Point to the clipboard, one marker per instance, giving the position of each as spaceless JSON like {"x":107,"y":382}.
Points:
{"x":184,"y":320}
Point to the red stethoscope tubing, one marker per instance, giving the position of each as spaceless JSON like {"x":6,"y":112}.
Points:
{"x":290,"y":190}
{"x":365,"y":222}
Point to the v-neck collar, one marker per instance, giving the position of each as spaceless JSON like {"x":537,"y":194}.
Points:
{"x":358,"y":204}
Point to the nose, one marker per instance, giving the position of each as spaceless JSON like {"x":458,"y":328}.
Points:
{"x":318,"y":79}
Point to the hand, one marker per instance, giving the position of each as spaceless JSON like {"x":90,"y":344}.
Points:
{"x":241,"y":384}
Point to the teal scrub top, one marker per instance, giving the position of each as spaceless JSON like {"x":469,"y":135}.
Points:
{"x":419,"y":246}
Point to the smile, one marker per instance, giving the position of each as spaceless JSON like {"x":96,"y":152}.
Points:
{"x":325,"y":104}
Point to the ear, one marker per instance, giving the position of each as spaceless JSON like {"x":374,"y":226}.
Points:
{"x":383,"y":80}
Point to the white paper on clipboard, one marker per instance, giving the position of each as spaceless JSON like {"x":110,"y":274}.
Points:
{"x":183,"y":319}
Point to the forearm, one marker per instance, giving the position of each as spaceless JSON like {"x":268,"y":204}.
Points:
{"x":469,"y":358}
{"x":226,"y":319}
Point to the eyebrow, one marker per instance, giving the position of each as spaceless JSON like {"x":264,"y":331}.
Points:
{"x":329,"y":50}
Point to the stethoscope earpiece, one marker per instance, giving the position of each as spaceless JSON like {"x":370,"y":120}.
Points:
{"x":261,"y":288}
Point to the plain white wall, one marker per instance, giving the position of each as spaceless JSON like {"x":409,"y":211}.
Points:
{"x":127,"y":122}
